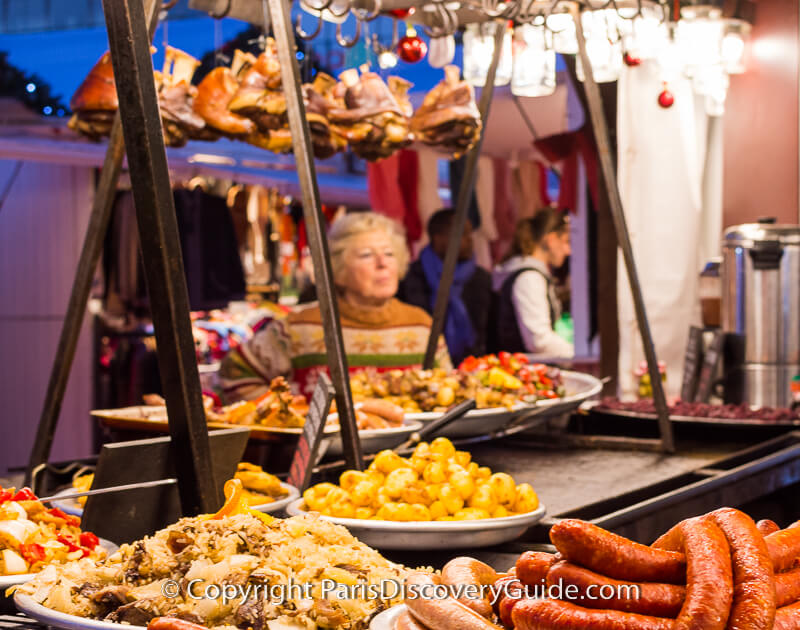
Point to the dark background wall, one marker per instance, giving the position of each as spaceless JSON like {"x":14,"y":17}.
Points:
{"x":761,"y":122}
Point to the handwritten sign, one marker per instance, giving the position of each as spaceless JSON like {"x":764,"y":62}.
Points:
{"x":709,"y":368}
{"x":305,"y":456}
{"x":692,"y":360}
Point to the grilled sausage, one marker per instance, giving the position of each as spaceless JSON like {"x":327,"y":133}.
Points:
{"x":614,"y":556}
{"x":591,"y":590}
{"x":787,"y":587}
{"x":532,"y":567}
{"x":551,"y":614}
{"x":788,"y":617}
{"x":767,"y":527}
{"x":469,"y":571}
{"x":709,"y":577}
{"x":440,"y":613}
{"x":784,"y":547}
{"x":753,"y":605}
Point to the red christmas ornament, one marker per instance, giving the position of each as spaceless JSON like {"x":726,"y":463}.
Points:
{"x":411,"y":48}
{"x":401,"y":14}
{"x":630,"y":60}
{"x":666,"y":98}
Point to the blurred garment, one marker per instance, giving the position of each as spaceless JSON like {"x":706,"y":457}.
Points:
{"x":393,"y":336}
{"x":527,"y":309}
{"x":467,"y":312}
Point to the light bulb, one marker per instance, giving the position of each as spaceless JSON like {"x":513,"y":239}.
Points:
{"x":387,"y":59}
{"x":534,"y":71}
{"x":563,"y":28}
{"x":478,"y":52}
{"x":737,"y":32}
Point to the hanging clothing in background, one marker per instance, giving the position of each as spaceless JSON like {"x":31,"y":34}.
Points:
{"x":125,"y":288}
{"x":392,"y":189}
{"x":486,"y":232}
{"x":661,"y":154}
{"x":214,"y":274}
{"x":527,"y":189}
{"x":456,"y":168}
{"x":568,"y":148}
{"x":428,"y":199}
{"x":505,"y":210}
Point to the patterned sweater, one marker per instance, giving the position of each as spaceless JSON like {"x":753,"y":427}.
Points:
{"x":391,"y":337}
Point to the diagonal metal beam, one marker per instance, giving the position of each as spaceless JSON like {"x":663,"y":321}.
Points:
{"x":600,"y":128}
{"x":161,"y":250}
{"x":283,"y":29}
{"x":81,"y":287}
{"x":462,"y":203}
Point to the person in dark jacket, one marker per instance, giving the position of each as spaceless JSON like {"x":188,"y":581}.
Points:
{"x":468,"y":308}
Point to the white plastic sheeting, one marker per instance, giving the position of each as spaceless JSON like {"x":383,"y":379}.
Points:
{"x":661,"y":164}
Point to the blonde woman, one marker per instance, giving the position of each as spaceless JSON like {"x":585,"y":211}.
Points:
{"x":368,"y":257}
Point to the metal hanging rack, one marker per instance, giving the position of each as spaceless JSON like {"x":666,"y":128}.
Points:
{"x":138,"y":121}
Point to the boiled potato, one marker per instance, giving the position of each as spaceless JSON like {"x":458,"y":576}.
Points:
{"x":451,"y":498}
{"x":398,"y":480}
{"x":387,"y":461}
{"x":443,"y":446}
{"x":463,"y":483}
{"x":435,"y":472}
{"x":437,"y":483}
{"x":483,"y":498}
{"x":526,"y":501}
{"x":503,"y":488}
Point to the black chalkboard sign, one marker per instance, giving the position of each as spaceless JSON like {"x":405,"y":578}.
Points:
{"x":305,"y":456}
{"x":692,"y":362}
{"x":708,"y":371}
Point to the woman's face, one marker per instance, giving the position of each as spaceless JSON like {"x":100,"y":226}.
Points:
{"x":557,"y":248}
{"x":370,"y":272}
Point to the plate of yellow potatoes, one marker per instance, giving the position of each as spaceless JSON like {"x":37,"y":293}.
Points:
{"x":435,"y":498}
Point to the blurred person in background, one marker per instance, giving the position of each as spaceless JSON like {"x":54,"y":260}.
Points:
{"x":368,"y":257}
{"x":527,"y":307}
{"x":466,"y":324}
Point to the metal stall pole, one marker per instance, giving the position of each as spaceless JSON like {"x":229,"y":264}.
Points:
{"x":90,"y":255}
{"x":315,"y":227}
{"x":621,"y":228}
{"x":462,"y":203}
{"x":161,"y":250}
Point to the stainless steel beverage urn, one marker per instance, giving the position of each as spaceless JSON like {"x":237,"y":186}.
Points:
{"x":761,"y":304}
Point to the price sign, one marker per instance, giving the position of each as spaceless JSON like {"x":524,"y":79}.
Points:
{"x":308,"y":445}
{"x":692,"y":362}
{"x":709,"y":368}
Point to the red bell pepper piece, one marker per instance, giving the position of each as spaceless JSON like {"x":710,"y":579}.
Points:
{"x":88,"y":540}
{"x":25,"y":494}
{"x":32,"y":552}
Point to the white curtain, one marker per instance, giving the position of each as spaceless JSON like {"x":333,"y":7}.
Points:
{"x":661,"y":164}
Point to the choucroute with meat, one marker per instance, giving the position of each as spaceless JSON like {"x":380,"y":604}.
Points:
{"x":309,"y":574}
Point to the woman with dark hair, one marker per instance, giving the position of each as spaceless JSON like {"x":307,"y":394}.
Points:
{"x":527,"y":306}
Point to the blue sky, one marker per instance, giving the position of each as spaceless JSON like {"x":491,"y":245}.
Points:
{"x":63,"y":58}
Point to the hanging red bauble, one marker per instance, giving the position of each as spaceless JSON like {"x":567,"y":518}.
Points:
{"x":630,"y":60}
{"x":411,"y":48}
{"x":401,"y":14}
{"x":666,"y":98}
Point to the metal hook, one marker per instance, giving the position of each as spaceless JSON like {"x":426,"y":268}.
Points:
{"x":448,"y":22}
{"x":299,"y":29}
{"x":366,"y":15}
{"x":343,"y":41}
{"x":222,"y":14}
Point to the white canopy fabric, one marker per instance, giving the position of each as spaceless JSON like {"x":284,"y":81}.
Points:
{"x":661,"y":158}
